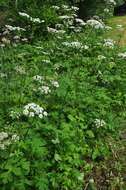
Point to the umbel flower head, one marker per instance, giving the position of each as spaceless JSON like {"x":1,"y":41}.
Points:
{"x":32,"y":110}
{"x":99,"y":123}
{"x":96,"y":24}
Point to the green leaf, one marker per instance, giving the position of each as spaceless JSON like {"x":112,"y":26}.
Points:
{"x":57,"y":157}
{"x":90,"y":134}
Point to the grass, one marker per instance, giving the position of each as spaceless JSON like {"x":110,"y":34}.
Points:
{"x":118,"y":34}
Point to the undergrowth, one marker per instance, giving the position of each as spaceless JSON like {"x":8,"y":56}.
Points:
{"x":62,"y":100}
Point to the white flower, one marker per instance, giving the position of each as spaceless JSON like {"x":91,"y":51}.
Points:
{"x":20,"y":70}
{"x":3,"y":75}
{"x":106,"y":10}
{"x":45,"y":113}
{"x":24,"y":14}
{"x":46,"y":61}
{"x":2,"y":45}
{"x":31,"y":114}
{"x":95,"y":24}
{"x":32,"y":110}
{"x":108,"y":43}
{"x":40,"y":116}
{"x":112,"y":2}
{"x":15,"y":138}
{"x":53,"y":30}
{"x":77,"y":29}
{"x":34,"y":20}
{"x":26,"y":112}
{"x":122,"y":55}
{"x":14,"y":114}
{"x":37,"y":20}
{"x":91,"y":180}
{"x":65,"y":17}
{"x":38,"y":78}
{"x":44,"y":89}
{"x":5,"y":40}
{"x":16,"y":37}
{"x":74,"y":15}
{"x":99,"y":123}
{"x":55,"y":83}
{"x":86,"y":47}
{"x":76,"y":45}
{"x":80,"y":21}
{"x":3,"y":135}
{"x":65,"y":7}
{"x":59,"y":26}
{"x":6,"y":32}
{"x":74,"y":8}
{"x":13,"y":28}
{"x":55,"y":7}
{"x":24,"y":40}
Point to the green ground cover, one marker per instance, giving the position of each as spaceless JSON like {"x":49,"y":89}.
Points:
{"x":62,"y":110}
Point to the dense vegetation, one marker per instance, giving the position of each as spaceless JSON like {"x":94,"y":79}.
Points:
{"x":62,"y":97}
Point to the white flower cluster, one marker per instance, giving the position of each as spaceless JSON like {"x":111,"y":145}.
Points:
{"x":47,"y":61}
{"x":63,"y":17}
{"x":53,"y":30}
{"x":80,"y":22}
{"x":3,"y":75}
{"x":14,"y":114}
{"x":38,"y":78}
{"x":109,"y":43}
{"x":34,"y":20}
{"x":95,"y":24}
{"x":16,"y":38}
{"x":24,"y":39}
{"x":59,"y":26}
{"x":74,"y":8}
{"x":67,"y":8}
{"x":15,"y":138}
{"x":20,"y":70}
{"x":76,"y":45}
{"x":14,"y":28}
{"x":111,"y":2}
{"x":2,"y":45}
{"x":32,"y":110}
{"x":5,"y":41}
{"x":5,"y":140}
{"x":55,"y":7}
{"x":44,"y":89}
{"x":122,"y":55}
{"x":76,"y":29}
{"x":68,"y":21}
{"x":55,"y":83}
{"x":3,"y":135}
{"x":99,"y":123}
